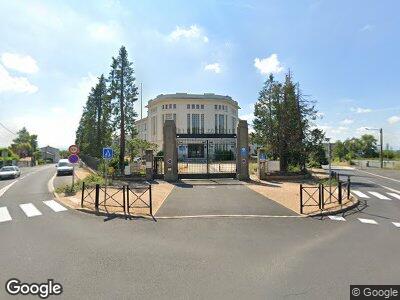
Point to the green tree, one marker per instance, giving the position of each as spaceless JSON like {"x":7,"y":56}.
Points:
{"x":282,"y":122}
{"x":316,"y":149}
{"x":137,"y":147}
{"x":24,"y":144}
{"x":95,"y":128}
{"x":123,"y":92}
{"x":339,"y":151}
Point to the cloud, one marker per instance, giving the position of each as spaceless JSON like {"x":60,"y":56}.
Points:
{"x":216,"y":68}
{"x":360,"y":110}
{"x":393,"y":120}
{"x":347,"y":121}
{"x":20,"y":63}
{"x":367,"y":27}
{"x":191,"y":33}
{"x":15,"y":84}
{"x":84,"y":86}
{"x":105,"y":32}
{"x":268,"y":65}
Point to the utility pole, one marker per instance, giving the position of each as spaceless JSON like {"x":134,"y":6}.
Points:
{"x":381,"y":141}
{"x":141,"y":101}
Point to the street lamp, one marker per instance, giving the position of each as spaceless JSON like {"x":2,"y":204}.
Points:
{"x":381,"y":142}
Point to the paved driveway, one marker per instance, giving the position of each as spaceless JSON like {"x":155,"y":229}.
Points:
{"x":218,"y":197}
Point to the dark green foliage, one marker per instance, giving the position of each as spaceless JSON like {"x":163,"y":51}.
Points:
{"x":25,"y":144}
{"x":123,"y":92}
{"x":95,"y":128}
{"x":282,"y":123}
{"x":363,"y":147}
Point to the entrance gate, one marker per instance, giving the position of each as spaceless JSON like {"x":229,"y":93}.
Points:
{"x":206,"y":155}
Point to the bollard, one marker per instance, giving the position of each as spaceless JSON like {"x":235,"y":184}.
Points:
{"x":348,"y":187}
{"x":127,"y":199}
{"x":321,"y":196}
{"x":123,"y":198}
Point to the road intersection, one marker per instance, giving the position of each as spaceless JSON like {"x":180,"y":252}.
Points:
{"x":214,"y":257}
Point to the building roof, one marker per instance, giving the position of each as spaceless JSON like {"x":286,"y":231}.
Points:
{"x":186,"y":96}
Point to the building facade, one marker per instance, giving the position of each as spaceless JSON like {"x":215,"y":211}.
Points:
{"x":194,"y":114}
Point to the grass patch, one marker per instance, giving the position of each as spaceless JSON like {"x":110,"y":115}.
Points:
{"x":71,"y":190}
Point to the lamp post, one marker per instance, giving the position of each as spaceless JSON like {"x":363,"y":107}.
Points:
{"x":381,"y":143}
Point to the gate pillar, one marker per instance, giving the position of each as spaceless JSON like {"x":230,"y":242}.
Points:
{"x":149,"y":164}
{"x":170,"y":151}
{"x":242,"y":154}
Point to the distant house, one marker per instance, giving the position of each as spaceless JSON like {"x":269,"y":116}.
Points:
{"x":50,"y":154}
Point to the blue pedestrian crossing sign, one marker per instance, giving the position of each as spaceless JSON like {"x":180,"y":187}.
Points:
{"x":108,"y":153}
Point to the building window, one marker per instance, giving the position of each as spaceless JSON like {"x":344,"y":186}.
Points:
{"x":216,"y":124}
{"x":174,"y":106}
{"x":233,"y":125}
{"x":221,"y":124}
{"x":188,"y":123}
{"x":202,"y":123}
{"x":170,"y":106}
{"x":163,"y":106}
{"x":188,"y":106}
{"x":202,"y":106}
{"x":193,"y":106}
{"x":154,"y":125}
{"x":216,"y":106}
{"x":219,"y":107}
{"x":197,"y":106}
{"x":195,"y":123}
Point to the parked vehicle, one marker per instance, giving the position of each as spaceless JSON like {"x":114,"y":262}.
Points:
{"x":9,"y":172}
{"x":64,"y":167}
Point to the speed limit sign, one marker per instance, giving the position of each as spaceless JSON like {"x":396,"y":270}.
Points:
{"x":73,"y":149}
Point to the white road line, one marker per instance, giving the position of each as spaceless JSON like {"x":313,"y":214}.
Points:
{"x":54,"y":205}
{"x":4,"y":189}
{"x":360,"y":194}
{"x":367,"y":221}
{"x":337,"y":218}
{"x":396,"y":224}
{"x":379,"y":176}
{"x":397,"y":196}
{"x":380,"y":196}
{"x":4,"y":215}
{"x":30,"y":210}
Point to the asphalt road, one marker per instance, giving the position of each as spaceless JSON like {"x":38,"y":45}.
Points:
{"x":218,"y":258}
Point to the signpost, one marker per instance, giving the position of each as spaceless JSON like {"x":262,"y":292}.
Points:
{"x":107,"y":154}
{"x":73,"y":159}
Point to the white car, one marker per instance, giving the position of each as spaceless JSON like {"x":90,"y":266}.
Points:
{"x":64,"y":167}
{"x":9,"y":172}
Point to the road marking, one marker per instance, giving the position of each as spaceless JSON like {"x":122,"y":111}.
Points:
{"x":4,"y":215}
{"x":30,"y":210}
{"x":380,"y":196}
{"x":227,"y":216}
{"x":55,"y":206}
{"x":367,"y":221}
{"x":4,"y":189}
{"x":397,"y":196}
{"x":396,"y":224}
{"x":360,"y":194}
{"x":337,"y":218}
{"x":379,"y":175}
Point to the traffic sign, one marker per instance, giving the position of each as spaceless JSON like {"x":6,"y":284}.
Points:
{"x":243,"y":151}
{"x":169,"y":161}
{"x":73,"y":158}
{"x":108,"y":153}
{"x":73,"y":149}
{"x":263,"y":157}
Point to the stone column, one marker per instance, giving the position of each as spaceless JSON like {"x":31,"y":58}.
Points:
{"x":170,"y":151}
{"x":149,"y":164}
{"x":242,"y":153}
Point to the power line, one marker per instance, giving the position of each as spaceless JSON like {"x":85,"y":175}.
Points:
{"x":10,"y":131}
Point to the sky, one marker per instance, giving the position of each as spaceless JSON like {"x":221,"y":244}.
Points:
{"x":344,"y":54}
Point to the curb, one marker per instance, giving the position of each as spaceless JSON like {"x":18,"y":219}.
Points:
{"x":335,"y":212}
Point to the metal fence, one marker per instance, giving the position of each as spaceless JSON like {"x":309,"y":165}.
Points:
{"x":322,"y":195}
{"x":136,"y":200}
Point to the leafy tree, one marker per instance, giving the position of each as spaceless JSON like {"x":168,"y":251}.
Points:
{"x":123,"y":92}
{"x":95,"y":128}
{"x":24,"y":144}
{"x":316,"y":149}
{"x":282,"y":122}
{"x":339,"y":150}
{"x":137,"y":147}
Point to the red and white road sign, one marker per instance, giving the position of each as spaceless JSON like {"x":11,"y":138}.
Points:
{"x":73,"y":149}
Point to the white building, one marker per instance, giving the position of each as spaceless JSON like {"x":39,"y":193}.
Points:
{"x":194,"y":114}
